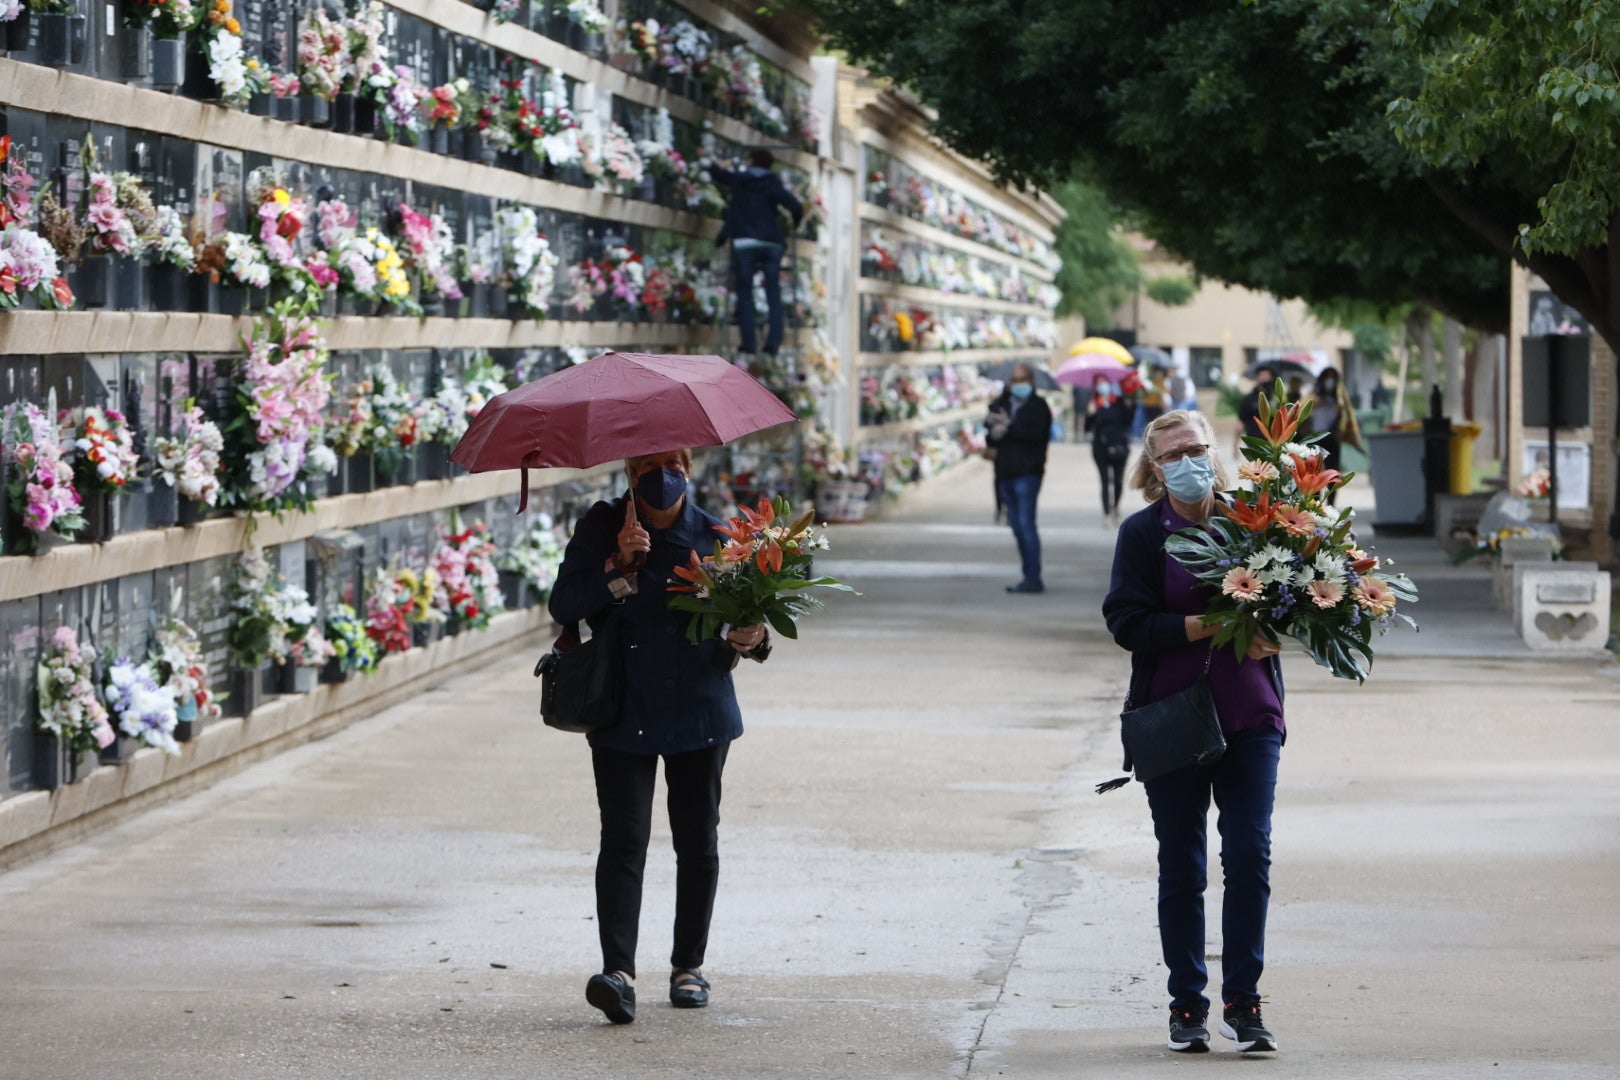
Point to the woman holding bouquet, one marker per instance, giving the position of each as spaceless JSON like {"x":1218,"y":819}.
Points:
{"x":678,"y":704}
{"x":1153,"y":609}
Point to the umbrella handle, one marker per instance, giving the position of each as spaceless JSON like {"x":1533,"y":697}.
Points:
{"x":639,"y":560}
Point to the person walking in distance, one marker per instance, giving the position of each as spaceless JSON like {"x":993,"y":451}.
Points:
{"x":754,"y":227}
{"x":1248,"y":409}
{"x":1154,"y":609}
{"x":1333,"y":415}
{"x":1108,"y":420}
{"x":1018,"y":429}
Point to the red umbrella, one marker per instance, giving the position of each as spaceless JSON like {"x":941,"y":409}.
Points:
{"x":617,"y":405}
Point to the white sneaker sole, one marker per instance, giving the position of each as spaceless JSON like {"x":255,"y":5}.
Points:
{"x":1191,"y":1046}
{"x":1252,"y":1046}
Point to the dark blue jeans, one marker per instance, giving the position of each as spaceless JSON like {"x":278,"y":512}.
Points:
{"x":746,"y":262}
{"x":1244,"y":784}
{"x":1018,"y":497}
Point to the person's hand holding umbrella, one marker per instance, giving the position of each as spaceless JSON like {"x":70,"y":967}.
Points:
{"x":634,"y":542}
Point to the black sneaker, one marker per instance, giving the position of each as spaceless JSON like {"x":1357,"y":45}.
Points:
{"x":1242,"y":1024}
{"x":613,"y":994}
{"x":1188,"y":1035}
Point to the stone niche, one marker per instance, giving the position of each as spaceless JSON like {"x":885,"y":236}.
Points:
{"x":1564,"y":609}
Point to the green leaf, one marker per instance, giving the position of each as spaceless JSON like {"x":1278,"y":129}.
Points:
{"x":782,"y":624}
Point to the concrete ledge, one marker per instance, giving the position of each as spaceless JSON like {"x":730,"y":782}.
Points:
{"x":40,"y":821}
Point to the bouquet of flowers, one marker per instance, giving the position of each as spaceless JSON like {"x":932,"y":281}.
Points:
{"x":639,"y":38}
{"x":276,"y":432}
{"x":759,"y":576}
{"x":536,"y":556}
{"x":430,"y":250}
{"x":69,"y":705}
{"x":106,"y":457}
{"x":268,"y":615}
{"x":382,"y":421}
{"x":616,"y":159}
{"x":324,"y":61}
{"x":189,"y":462}
{"x":447,"y":103}
{"x":1283,"y":562}
{"x":281,"y":221}
{"x":468,"y":586}
{"x":167,"y":18}
{"x":482,"y":380}
{"x":172,"y":245}
{"x":112,"y":232}
{"x":352,"y":645}
{"x":388,"y":622}
{"x":238,"y":77}
{"x":588,"y":16}
{"x":530,"y":264}
{"x":143,"y":705}
{"x":442,"y":418}
{"x":179,"y":665}
{"x":41,"y":489}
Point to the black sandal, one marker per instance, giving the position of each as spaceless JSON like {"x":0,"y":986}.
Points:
{"x":688,"y":989}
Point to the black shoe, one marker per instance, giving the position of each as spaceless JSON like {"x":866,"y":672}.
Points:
{"x":1242,"y":1024}
{"x":1188,"y":1035}
{"x":688,"y":989}
{"x":1027,"y":587}
{"x":613,"y":994}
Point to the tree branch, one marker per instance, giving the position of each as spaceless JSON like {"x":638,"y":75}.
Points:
{"x":1501,"y":237}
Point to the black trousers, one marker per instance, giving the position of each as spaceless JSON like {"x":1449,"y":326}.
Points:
{"x":624,"y":795}
{"x":1332,"y":456}
{"x":1112,"y":472}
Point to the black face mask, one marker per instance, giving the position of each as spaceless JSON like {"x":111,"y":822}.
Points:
{"x":661,"y":488}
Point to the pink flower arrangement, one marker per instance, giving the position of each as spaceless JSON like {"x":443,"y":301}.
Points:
{"x":190,"y":461}
{"x":284,"y":392}
{"x":69,"y":706}
{"x":468,"y":584}
{"x":111,"y":231}
{"x":430,"y":249}
{"x":18,"y":183}
{"x":106,"y":446}
{"x":41,"y":489}
{"x":1241,"y":583}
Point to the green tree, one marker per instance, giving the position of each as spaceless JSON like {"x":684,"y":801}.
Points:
{"x":1171,"y":290}
{"x":1101,"y":271}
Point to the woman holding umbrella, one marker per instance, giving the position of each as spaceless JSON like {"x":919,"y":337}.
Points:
{"x":678,"y":704}
{"x":1108,"y":419}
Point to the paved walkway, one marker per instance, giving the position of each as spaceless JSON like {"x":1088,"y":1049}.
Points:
{"x":917,"y":880}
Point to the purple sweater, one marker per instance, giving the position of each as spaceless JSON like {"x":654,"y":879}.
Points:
{"x":1244,"y":694}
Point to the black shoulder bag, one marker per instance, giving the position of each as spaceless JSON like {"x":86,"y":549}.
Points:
{"x":581,"y":682}
{"x":1173,"y":733}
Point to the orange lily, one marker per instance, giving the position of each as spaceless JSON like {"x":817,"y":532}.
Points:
{"x":1256,"y":516}
{"x":763,"y":516}
{"x":1310,"y":475}
{"x":769,"y":558}
{"x":1281,"y":425}
{"x":693,"y":571}
{"x":738,"y":530}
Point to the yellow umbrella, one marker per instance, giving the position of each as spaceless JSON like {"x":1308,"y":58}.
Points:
{"x":1098,"y":346}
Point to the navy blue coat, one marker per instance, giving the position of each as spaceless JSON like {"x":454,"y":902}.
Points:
{"x":678,"y":696}
{"x":751,"y":210}
{"x":1134,"y":608}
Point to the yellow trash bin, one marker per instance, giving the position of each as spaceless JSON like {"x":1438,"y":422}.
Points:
{"x":1462,"y":457}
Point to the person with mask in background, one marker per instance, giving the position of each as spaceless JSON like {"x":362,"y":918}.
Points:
{"x":678,"y":704}
{"x":1334,"y":417}
{"x":1108,"y":420}
{"x":1154,"y":610}
{"x":754,"y":228}
{"x":1019,"y":428}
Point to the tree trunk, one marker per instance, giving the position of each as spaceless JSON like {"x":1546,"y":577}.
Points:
{"x":1451,"y":351}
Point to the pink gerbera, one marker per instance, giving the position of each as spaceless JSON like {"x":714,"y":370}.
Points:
{"x":1257,"y":472}
{"x":1295,"y":522}
{"x":1324,"y":594}
{"x":1374,"y":596}
{"x":1241,"y":583}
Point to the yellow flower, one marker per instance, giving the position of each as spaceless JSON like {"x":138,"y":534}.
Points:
{"x":903,"y":324}
{"x":281,"y":197}
{"x":234,"y":27}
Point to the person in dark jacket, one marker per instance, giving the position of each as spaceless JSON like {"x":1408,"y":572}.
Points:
{"x":1018,"y":429}
{"x":754,"y":228}
{"x":1249,"y":408}
{"x":678,"y":704}
{"x":1154,"y":609}
{"x":1108,"y":420}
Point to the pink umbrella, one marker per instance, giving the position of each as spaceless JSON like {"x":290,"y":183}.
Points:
{"x":1087,"y":368}
{"x":617,"y":405}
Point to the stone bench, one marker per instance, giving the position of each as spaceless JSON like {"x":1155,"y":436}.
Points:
{"x":1532,"y":550}
{"x":1456,"y":517}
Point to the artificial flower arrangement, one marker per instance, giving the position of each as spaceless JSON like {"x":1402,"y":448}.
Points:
{"x":1284,"y":563}
{"x":28,"y":261}
{"x":189,"y":461}
{"x":352,"y":646}
{"x":179,"y":664}
{"x":758,"y":573}
{"x":388,"y":614}
{"x":61,"y":232}
{"x":393,"y":287}
{"x":111,"y":230}
{"x":1536,"y":484}
{"x":481,"y":380}
{"x":165,"y":18}
{"x":588,"y":16}
{"x":237,"y":75}
{"x":429,"y":249}
{"x":347,"y":260}
{"x":282,"y":216}
{"x":275,"y":432}
{"x":41,"y":490}
{"x":106,"y":459}
{"x":143,"y":704}
{"x":381,"y":420}
{"x":448,"y":103}
{"x":638,"y":38}
{"x":535,"y":555}
{"x":611,"y":157}
{"x":468,"y":587}
{"x":529,"y":264}
{"x":399,"y":101}
{"x":324,"y":61}
{"x":685,"y":49}
{"x":269,"y":617}
{"x":442,"y":416}
{"x":171,"y":244}
{"x":70,"y":706}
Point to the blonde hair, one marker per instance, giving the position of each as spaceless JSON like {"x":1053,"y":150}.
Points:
{"x":632,"y":464}
{"x":1145,"y":480}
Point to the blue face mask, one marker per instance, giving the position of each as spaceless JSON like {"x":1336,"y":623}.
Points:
{"x":1021,"y":390}
{"x":1105,"y":389}
{"x":661,"y":488}
{"x":1190,"y":479}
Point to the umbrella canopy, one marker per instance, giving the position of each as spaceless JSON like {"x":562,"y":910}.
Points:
{"x":1086,"y":370}
{"x":1151,"y":356}
{"x":1002,"y":372}
{"x":1101,"y":346}
{"x":618,"y":405}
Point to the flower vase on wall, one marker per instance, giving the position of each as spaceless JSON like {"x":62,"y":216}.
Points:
{"x":101,"y":512}
{"x":189,"y":721}
{"x":18,"y":30}
{"x":197,"y":84}
{"x":120,"y":750}
{"x":55,"y":44}
{"x":92,"y":281}
{"x":365,"y":116}
{"x":314,"y":111}
{"x":168,"y":290}
{"x":163,"y":506}
{"x":334,"y":672}
{"x":472,"y":145}
{"x":342,"y":113}
{"x":424,"y":634}
{"x":438,"y":139}
{"x":514,"y":590}
{"x":169,"y":62}
{"x":129,"y":283}
{"x":191,"y":512}
{"x":135,"y":53}
{"x":260,"y":105}
{"x":433,"y":461}
{"x":358,"y":477}
{"x":246,"y":693}
{"x":296,"y":678}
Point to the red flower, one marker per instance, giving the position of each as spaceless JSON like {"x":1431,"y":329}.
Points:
{"x":63,"y":294}
{"x":8,"y":276}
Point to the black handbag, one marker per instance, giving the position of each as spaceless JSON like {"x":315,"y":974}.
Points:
{"x":582,"y":682}
{"x":1173,"y":733}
